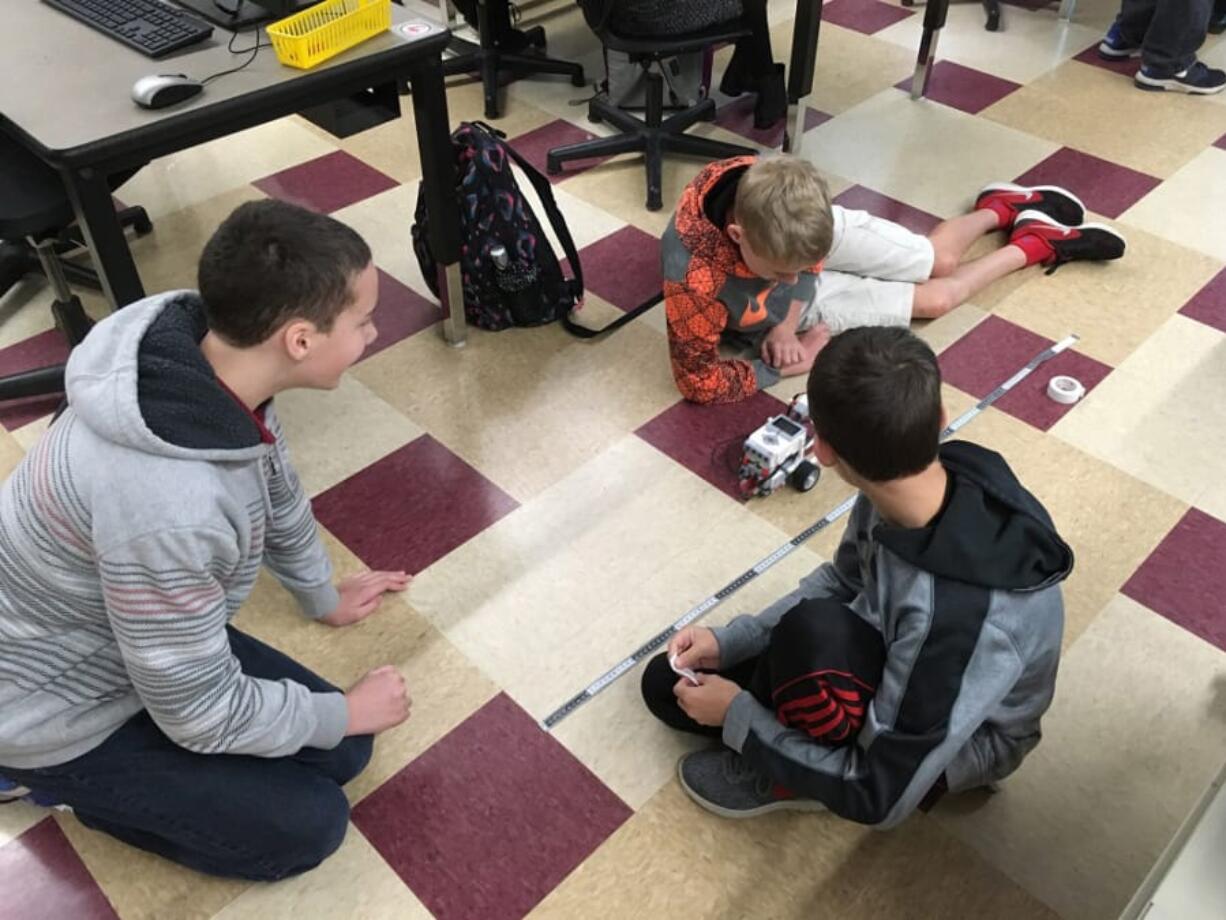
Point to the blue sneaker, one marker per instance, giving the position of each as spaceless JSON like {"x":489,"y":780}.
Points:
{"x":15,"y":792}
{"x":1114,"y":47}
{"x":1197,"y":79}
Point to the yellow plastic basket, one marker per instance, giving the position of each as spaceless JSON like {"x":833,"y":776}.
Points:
{"x":326,"y":29}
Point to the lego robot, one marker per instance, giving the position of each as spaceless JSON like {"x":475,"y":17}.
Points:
{"x":779,"y":452}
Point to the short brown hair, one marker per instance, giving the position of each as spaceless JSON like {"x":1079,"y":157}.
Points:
{"x":875,"y":398}
{"x":270,"y":262}
{"x":783,"y":206}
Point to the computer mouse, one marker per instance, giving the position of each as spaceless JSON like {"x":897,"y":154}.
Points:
{"x":160,"y":90}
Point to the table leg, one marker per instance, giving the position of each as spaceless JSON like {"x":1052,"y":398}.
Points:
{"x":934,"y":21}
{"x":90,"y":194}
{"x":801,"y":66}
{"x":439,"y":184}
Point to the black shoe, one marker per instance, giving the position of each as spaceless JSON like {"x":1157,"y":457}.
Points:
{"x":1007,"y":200}
{"x":736,"y":79}
{"x":772,"y":105}
{"x":1198,"y":80}
{"x":1053,"y":244}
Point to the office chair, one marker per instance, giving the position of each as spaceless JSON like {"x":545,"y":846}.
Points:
{"x":35,"y":229}
{"x":493,"y":24}
{"x":653,"y":136}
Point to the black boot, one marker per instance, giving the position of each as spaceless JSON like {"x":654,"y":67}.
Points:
{"x":736,"y":79}
{"x":772,"y":104}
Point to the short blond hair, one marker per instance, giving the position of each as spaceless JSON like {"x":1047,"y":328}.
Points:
{"x":783,"y":207}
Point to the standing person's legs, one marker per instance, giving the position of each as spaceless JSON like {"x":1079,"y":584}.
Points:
{"x":223,"y":814}
{"x":1134,"y":19}
{"x":1175,"y":31}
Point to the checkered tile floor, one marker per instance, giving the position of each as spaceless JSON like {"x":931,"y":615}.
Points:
{"x":559,"y":504}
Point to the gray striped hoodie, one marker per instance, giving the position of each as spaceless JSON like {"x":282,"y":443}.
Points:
{"x":129,"y":537}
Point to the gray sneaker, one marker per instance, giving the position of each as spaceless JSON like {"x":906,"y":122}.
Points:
{"x":722,"y":783}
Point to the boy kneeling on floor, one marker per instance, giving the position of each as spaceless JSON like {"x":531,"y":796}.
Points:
{"x":922,"y":658}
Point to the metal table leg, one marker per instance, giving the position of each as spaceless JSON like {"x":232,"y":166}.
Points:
{"x":934,"y":21}
{"x":90,"y":194}
{"x":801,"y":66}
{"x":438,"y":180}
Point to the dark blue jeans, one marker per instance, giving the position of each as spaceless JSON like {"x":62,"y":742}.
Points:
{"x":224,"y":814}
{"x":1168,"y":31}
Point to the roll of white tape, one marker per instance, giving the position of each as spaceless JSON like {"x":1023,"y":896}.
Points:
{"x":1065,"y":390}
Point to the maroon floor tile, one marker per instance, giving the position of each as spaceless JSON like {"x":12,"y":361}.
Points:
{"x":491,"y":818}
{"x":1209,"y":303}
{"x":737,"y":117}
{"x":623,"y":268}
{"x":401,"y":312}
{"x":963,"y":88}
{"x":534,"y":145}
{"x":411,"y":508}
{"x":995,"y":350}
{"x":1127,"y":67}
{"x":1105,"y":187}
{"x":326,"y":184}
{"x":41,"y":875}
{"x":1184,"y":579}
{"x":708,"y":440}
{"x":867,"y":16}
{"x":1220,"y":142}
{"x":865,"y":199}
{"x":40,"y":350}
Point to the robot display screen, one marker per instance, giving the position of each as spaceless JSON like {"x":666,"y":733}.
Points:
{"x":787,"y":426}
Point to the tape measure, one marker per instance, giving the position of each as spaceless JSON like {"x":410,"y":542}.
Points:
{"x":660,"y":639}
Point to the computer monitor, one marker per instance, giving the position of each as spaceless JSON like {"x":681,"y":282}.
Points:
{"x":240,"y":15}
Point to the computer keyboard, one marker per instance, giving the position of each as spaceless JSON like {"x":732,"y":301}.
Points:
{"x":151,"y":27}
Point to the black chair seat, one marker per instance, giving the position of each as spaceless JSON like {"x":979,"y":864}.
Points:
{"x":32,"y":197}
{"x":668,"y":46}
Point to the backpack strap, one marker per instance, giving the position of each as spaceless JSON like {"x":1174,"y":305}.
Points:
{"x":544,"y":191}
{"x":584,"y":332}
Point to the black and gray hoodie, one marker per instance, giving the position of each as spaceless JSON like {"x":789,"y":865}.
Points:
{"x":971,"y":615}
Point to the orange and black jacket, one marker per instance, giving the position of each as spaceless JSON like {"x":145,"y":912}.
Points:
{"x":709,"y":291}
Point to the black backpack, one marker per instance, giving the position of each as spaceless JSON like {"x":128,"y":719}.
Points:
{"x":510,"y":274}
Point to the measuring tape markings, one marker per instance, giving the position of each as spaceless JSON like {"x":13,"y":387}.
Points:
{"x":660,"y":639}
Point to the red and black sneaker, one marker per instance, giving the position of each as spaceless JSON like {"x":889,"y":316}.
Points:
{"x":1046,"y":241}
{"x":1006,"y":200}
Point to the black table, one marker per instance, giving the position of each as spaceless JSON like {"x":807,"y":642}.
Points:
{"x":66,"y":96}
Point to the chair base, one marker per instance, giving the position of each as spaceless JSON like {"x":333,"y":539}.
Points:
{"x":488,"y":60}
{"x":653,"y":136}
{"x":18,"y":259}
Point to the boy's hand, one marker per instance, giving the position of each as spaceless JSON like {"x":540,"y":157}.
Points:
{"x":695,"y":648}
{"x":378,"y":701}
{"x":782,"y":348}
{"x":706,"y":704}
{"x":362,"y":594}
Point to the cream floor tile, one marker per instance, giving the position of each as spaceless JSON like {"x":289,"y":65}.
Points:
{"x":614,"y":735}
{"x":851,"y":67}
{"x":17,"y":818}
{"x":1084,"y":818}
{"x":673,"y":859}
{"x":1111,"y":520}
{"x":586,"y":222}
{"x":199,"y":173}
{"x":141,"y":886}
{"x":1189,"y":207}
{"x":590,"y":569}
{"x":925,"y":154}
{"x":385,"y":222}
{"x":353,"y":883}
{"x":446,"y":688}
{"x":333,"y":435}
{"x":392,"y":147}
{"x":1155,"y":417}
{"x":168,"y":257}
{"x":619,"y":187}
{"x":11,"y":453}
{"x":526,"y":406}
{"x":1066,"y":106}
{"x":1114,"y":306}
{"x":1028,"y":46}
